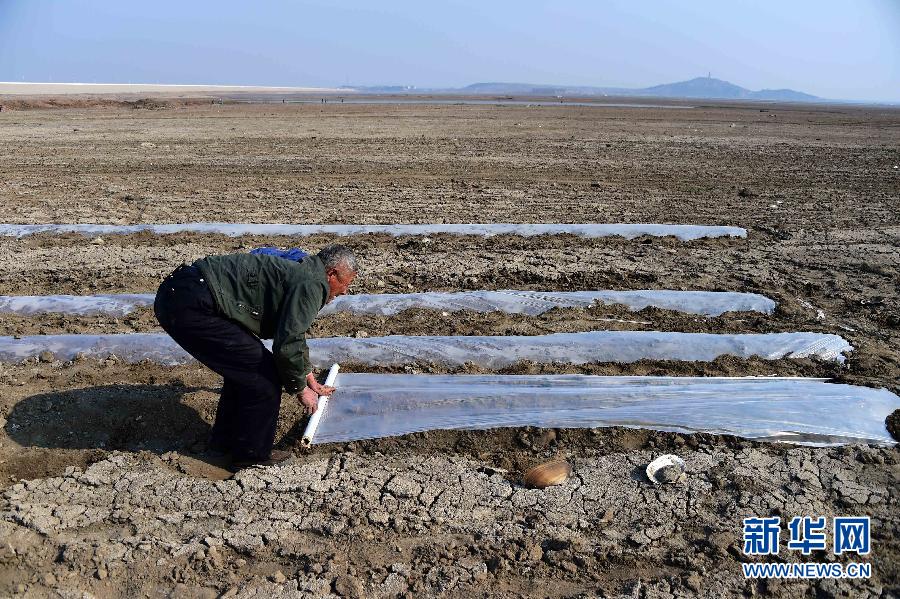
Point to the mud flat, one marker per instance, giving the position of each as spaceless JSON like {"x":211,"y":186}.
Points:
{"x":99,"y":91}
{"x":104,"y":489}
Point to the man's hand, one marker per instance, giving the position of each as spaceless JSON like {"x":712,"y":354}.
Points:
{"x":312,"y":383}
{"x":309,"y":399}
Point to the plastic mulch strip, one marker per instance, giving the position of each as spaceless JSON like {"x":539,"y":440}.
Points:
{"x":808,"y":411}
{"x":488,"y":352}
{"x":706,"y":303}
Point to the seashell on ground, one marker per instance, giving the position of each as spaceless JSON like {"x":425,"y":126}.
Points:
{"x":547,"y":474}
{"x":667,"y":468}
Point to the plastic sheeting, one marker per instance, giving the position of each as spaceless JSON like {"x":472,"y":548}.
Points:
{"x":809,"y":411}
{"x":118,"y":304}
{"x":488,"y":352}
{"x":707,"y":303}
{"x":628,"y":231}
{"x":575,"y":348}
{"x":130,"y":347}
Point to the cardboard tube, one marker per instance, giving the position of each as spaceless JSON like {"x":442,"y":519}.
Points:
{"x":313,"y":423}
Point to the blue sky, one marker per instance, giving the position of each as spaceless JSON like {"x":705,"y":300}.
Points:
{"x":845,"y":49}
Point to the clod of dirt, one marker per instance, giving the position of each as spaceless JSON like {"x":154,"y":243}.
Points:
{"x":347,"y":586}
{"x":745,"y":193}
{"x":547,"y":474}
{"x":893,"y":424}
{"x":668,"y":474}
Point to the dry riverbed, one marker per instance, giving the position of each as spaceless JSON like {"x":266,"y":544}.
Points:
{"x":104,"y":489}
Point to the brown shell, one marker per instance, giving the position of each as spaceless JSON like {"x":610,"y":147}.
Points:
{"x":547,"y":474}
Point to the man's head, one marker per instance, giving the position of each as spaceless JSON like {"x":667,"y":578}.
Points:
{"x":340,"y":268}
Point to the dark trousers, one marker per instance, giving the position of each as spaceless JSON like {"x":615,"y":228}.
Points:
{"x":251,"y":394}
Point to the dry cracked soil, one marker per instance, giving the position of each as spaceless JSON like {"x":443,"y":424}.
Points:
{"x":106,"y":491}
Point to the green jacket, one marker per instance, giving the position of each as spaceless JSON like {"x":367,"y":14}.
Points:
{"x":274,"y":299}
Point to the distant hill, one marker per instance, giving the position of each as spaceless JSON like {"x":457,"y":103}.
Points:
{"x":784,"y":95}
{"x":700,"y":87}
{"x":708,"y":87}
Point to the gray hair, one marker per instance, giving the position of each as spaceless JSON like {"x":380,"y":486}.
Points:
{"x":337,"y":255}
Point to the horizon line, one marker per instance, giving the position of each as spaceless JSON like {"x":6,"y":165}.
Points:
{"x":352,"y":88}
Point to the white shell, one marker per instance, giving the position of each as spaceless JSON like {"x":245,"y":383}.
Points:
{"x":656,"y":468}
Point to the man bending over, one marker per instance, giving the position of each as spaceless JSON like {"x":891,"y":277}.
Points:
{"x":220,"y":307}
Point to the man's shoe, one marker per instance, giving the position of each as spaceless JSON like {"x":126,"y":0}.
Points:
{"x":277,"y":456}
{"x":219,"y":459}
